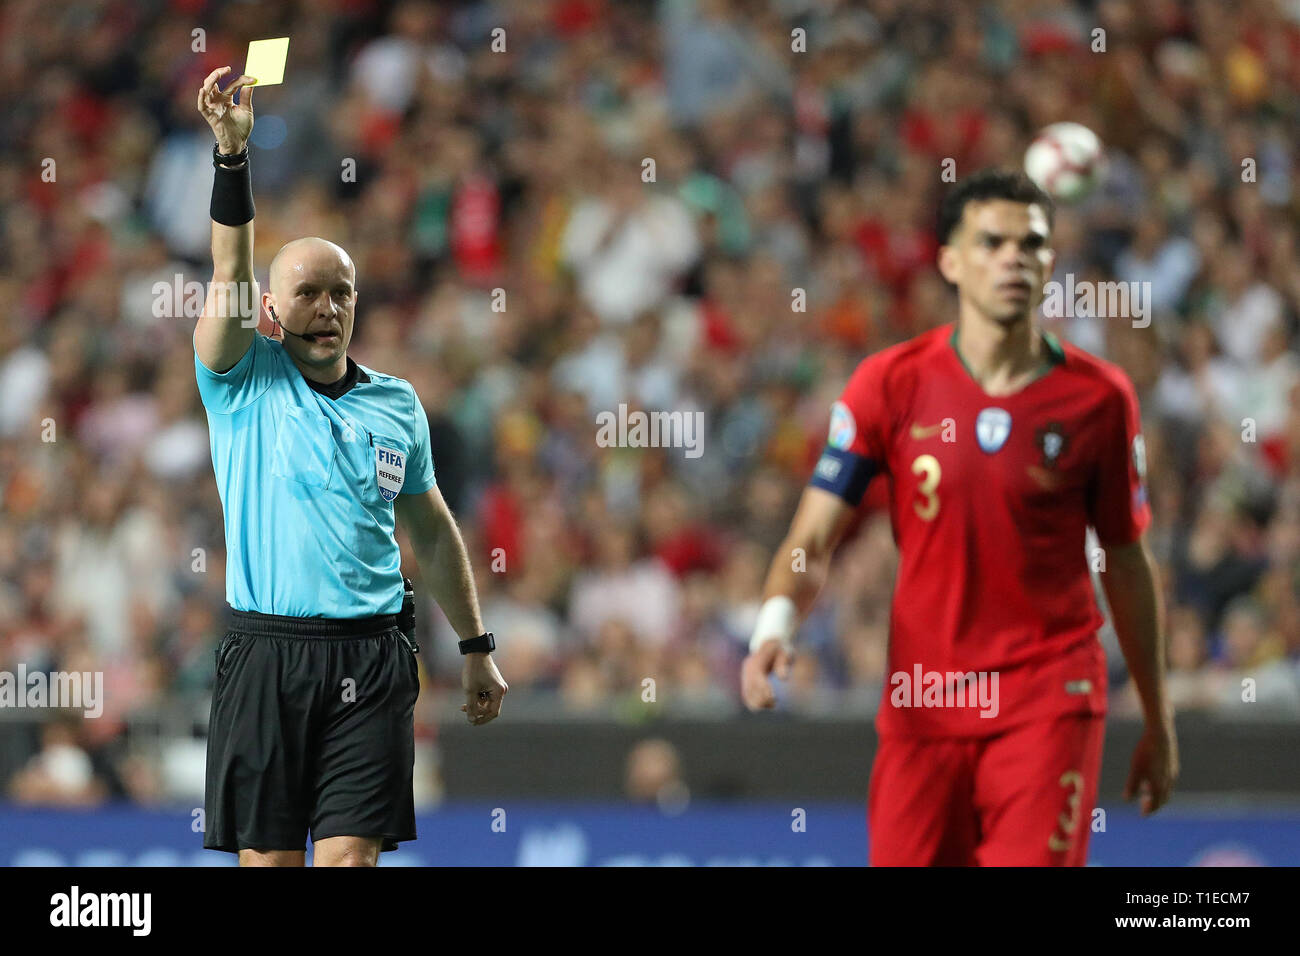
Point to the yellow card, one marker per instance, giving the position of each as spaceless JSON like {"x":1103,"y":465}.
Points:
{"x":266,"y":60}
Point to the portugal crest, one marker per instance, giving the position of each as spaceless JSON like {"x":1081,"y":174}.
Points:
{"x":1052,"y":442}
{"x":992,"y":427}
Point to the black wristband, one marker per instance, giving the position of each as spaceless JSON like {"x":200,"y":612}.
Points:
{"x":220,"y":159}
{"x":483,"y":644}
{"x":232,"y":190}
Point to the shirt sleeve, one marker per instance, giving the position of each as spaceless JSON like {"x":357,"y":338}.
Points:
{"x":855,"y":448}
{"x":240,"y":386}
{"x":1117,"y":503}
{"x":419,"y":463}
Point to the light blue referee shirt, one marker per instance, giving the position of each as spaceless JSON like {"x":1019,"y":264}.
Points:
{"x":307,"y":483}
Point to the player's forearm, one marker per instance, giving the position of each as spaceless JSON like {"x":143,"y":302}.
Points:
{"x":444,"y":563}
{"x":794,"y":580}
{"x":800,"y":566}
{"x":798,"y":572}
{"x":1132,"y":590}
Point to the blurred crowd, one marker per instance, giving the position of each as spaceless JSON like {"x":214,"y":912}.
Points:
{"x":522,"y":264}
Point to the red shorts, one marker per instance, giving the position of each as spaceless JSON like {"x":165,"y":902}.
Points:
{"x":1021,"y":798}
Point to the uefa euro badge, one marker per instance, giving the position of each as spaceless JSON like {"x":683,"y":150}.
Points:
{"x":992,"y":428}
{"x":390,"y":468}
{"x":843,"y":428}
{"x":1140,"y":466}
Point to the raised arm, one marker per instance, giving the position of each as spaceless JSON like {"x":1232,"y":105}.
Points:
{"x":229,"y":321}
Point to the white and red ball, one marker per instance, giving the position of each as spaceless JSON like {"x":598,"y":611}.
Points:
{"x":1065,"y":159}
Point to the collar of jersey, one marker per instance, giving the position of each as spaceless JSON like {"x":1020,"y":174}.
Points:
{"x":336,"y":390}
{"x":1055,"y":355}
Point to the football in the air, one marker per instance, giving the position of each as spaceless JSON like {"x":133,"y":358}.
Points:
{"x":1065,"y":159}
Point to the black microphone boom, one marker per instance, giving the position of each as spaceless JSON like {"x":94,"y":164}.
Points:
{"x":306,"y":338}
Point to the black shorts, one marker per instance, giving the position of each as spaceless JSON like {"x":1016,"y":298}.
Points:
{"x":311,"y":731}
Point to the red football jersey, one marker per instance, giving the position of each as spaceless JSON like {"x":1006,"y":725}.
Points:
{"x":994,"y":618}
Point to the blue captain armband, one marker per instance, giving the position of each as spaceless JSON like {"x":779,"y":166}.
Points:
{"x":843,"y":473}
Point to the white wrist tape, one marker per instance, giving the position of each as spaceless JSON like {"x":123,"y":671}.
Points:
{"x":778,"y":619}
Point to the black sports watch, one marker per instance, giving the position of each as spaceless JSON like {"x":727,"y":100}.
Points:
{"x":485,"y":643}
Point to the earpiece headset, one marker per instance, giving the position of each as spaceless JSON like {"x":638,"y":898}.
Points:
{"x":276,"y":320}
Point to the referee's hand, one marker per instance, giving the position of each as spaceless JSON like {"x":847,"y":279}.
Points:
{"x":231,"y":122}
{"x":484,"y":688}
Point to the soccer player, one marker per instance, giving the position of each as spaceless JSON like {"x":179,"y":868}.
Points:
{"x":1000,"y":445}
{"x":316,"y":458}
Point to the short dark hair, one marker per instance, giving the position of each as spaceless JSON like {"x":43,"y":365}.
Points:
{"x":1003,"y":183}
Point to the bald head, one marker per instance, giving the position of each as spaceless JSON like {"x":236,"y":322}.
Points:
{"x":310,"y":254}
{"x":313,"y":295}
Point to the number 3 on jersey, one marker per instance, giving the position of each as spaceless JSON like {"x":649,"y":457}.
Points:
{"x":927,"y":466}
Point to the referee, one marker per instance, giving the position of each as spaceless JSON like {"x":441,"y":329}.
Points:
{"x":316,"y":457}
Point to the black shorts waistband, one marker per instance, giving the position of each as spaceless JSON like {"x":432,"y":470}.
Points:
{"x":280,"y":625}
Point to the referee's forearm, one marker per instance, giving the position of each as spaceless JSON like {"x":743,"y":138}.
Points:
{"x":229,"y":321}
{"x":444,"y":564}
{"x":232,"y":252}
{"x":232,"y":211}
